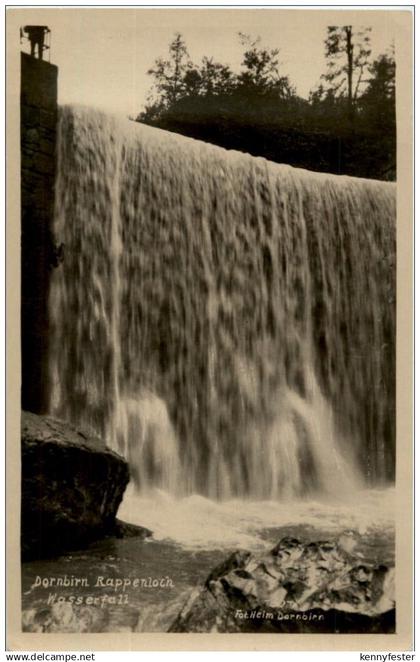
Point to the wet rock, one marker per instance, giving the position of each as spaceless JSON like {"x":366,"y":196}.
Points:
{"x":63,"y":617}
{"x":296,"y":587}
{"x":66,"y":617}
{"x":126,"y":530}
{"x":72,"y":486}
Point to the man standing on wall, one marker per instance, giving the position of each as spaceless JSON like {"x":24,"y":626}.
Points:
{"x":36,"y":35}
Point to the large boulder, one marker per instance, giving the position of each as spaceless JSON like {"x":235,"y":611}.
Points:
{"x":322,"y":586}
{"x":72,"y":486}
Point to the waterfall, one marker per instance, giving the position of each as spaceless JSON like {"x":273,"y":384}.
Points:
{"x":225,"y":322}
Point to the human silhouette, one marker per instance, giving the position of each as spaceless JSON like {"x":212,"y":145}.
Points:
{"x":36,"y":35}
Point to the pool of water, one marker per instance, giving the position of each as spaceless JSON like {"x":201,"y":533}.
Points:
{"x":142,"y":585}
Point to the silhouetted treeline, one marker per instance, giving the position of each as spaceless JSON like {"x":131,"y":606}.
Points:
{"x":346,"y":126}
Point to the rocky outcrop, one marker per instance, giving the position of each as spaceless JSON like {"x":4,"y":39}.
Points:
{"x":72,"y":486}
{"x":296,"y":587}
{"x":122,"y":529}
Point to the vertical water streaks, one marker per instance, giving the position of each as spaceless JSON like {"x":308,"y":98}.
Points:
{"x":226,"y":322}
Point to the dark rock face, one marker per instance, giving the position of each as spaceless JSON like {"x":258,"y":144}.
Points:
{"x":72,"y":486}
{"x":296,"y":587}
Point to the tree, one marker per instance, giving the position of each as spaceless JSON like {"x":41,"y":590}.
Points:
{"x":383,"y":72}
{"x":216,"y":78}
{"x":261,"y":69}
{"x":209,"y":79}
{"x":325,"y":109}
{"x":378,"y":100}
{"x":169,"y":74}
{"x":347,"y":52}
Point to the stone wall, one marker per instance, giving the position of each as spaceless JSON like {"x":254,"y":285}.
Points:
{"x":38,"y":138}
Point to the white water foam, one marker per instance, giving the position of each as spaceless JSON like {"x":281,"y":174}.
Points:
{"x":199,"y":523}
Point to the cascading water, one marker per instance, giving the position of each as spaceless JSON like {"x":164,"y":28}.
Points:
{"x":227,"y":323}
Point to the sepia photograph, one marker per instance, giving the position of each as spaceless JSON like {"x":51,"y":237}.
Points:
{"x":209,"y":412}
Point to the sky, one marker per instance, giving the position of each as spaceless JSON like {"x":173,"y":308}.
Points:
{"x":103,"y":54}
